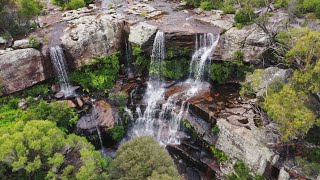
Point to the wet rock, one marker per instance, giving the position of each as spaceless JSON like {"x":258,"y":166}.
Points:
{"x":59,"y":95}
{"x":90,"y":35}
{"x":21,"y":44}
{"x":20,"y":69}
{"x":260,"y":81}
{"x":142,"y":34}
{"x":101,"y":116}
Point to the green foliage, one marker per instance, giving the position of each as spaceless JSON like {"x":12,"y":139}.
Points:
{"x":175,"y":69}
{"x":242,"y":172}
{"x":29,"y":8}
{"x":142,"y":63}
{"x":218,"y":154}
{"x":75,"y":4}
{"x":34,"y":42}
{"x":215,"y":129}
{"x":142,"y":158}
{"x":186,"y":124}
{"x":117,"y":133}
{"x":288,"y":109}
{"x":206,"y":5}
{"x":304,"y":46}
{"x":38,"y":148}
{"x":228,"y":7}
{"x":71,"y":4}
{"x":100,"y":75}
{"x":37,"y":90}
{"x":281,"y":3}
{"x":223,"y":71}
{"x":309,"y":168}
{"x":58,"y":112}
{"x":120,"y":98}
{"x":244,"y":16}
{"x":307,"y":80}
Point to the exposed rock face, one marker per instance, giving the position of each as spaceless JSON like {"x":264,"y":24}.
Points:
{"x":260,"y":80}
{"x":93,"y":35}
{"x":218,"y":18}
{"x":21,"y":44}
{"x":142,"y":34}
{"x":21,"y":69}
{"x":242,"y":143}
{"x":101,"y":116}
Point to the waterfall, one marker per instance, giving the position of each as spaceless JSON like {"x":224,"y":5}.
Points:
{"x":60,"y":67}
{"x":145,"y":123}
{"x":205,"y":46}
{"x":163,"y":122}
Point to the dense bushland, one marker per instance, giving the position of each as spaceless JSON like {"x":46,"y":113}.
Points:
{"x":71,"y":4}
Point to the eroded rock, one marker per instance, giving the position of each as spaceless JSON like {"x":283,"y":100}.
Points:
{"x":101,"y":117}
{"x":89,"y":36}
{"x":142,"y":33}
{"x":21,"y":69}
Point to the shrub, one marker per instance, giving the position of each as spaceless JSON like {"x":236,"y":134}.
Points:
{"x":206,"y":5}
{"x":100,"y":75}
{"x":223,"y":71}
{"x":75,"y":4}
{"x":120,"y":98}
{"x":40,"y":150}
{"x":242,"y":172}
{"x":141,"y":62}
{"x":244,"y":16}
{"x":142,"y":158}
{"x":215,"y":129}
{"x":34,"y":42}
{"x":218,"y":154}
{"x":117,"y":133}
{"x":228,"y":8}
{"x":309,"y":168}
{"x":37,"y":90}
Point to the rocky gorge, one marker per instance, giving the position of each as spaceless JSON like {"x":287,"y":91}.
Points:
{"x":245,"y":132}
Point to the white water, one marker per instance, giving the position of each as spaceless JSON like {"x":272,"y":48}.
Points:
{"x":59,"y":63}
{"x":163,"y":122}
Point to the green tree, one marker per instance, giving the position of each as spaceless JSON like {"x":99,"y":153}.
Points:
{"x":142,"y":158}
{"x":39,"y":149}
{"x":29,"y":8}
{"x":288,"y":108}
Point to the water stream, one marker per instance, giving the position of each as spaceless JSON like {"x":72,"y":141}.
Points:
{"x":59,"y":63}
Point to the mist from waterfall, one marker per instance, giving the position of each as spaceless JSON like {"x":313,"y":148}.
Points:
{"x":60,"y":67}
{"x":163,"y":122}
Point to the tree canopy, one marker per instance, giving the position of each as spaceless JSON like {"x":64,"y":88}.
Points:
{"x":39,"y":149}
{"x":142,"y":158}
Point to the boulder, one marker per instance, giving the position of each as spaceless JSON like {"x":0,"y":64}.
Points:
{"x":21,"y":44}
{"x":101,"y":117}
{"x":244,"y":144}
{"x":20,"y":69}
{"x":260,"y":80}
{"x":89,"y":36}
{"x":142,"y":34}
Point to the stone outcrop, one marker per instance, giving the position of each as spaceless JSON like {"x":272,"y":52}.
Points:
{"x":261,"y":79}
{"x":21,"y":44}
{"x":21,"y":69}
{"x":92,"y":35}
{"x":142,"y":34}
{"x":101,"y":117}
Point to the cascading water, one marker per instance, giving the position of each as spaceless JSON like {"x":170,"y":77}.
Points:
{"x":145,"y":123}
{"x":163,"y":123}
{"x":60,"y":67}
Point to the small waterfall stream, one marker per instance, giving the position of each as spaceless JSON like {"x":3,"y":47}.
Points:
{"x":59,"y":63}
{"x":163,"y":122}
